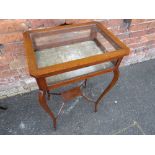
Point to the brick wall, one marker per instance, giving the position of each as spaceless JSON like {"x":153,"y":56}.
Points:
{"x":14,"y":78}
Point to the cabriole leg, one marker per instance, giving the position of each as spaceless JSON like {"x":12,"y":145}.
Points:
{"x":109,"y":87}
{"x":43,"y":103}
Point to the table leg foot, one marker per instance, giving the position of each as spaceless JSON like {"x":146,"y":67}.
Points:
{"x":43,"y":103}
{"x":109,"y":87}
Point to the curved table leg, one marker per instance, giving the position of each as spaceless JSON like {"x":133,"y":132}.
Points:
{"x":110,"y":86}
{"x":43,"y":103}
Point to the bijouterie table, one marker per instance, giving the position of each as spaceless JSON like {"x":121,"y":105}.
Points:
{"x":63,"y":55}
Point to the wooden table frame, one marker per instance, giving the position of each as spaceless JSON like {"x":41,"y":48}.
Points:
{"x":40,"y":74}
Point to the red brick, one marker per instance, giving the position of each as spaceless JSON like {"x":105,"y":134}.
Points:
{"x":129,"y":41}
{"x":75,"y":21}
{"x":4,"y":67}
{"x":37,"y":23}
{"x":152,"y":30}
{"x":17,"y":63}
{"x":137,"y":33}
{"x":147,"y":37}
{"x":141,"y":26}
{"x":137,"y":21}
{"x":9,"y":26}
{"x":14,"y":48}
{"x":123,"y":36}
{"x":135,"y":45}
{"x":141,"y":33}
{"x":150,"y":42}
{"x":114,"y":22}
{"x":117,"y":30}
{"x":54,"y":22}
{"x":152,"y":25}
{"x":5,"y":59}
{"x":11,"y":37}
{"x":8,"y":73}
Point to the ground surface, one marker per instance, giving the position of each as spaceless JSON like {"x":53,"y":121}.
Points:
{"x":128,"y":109}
